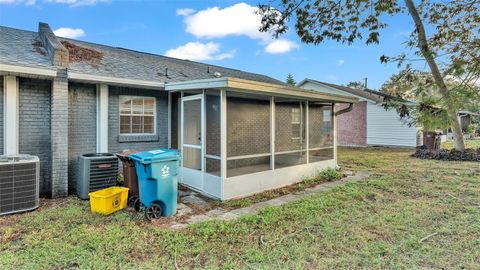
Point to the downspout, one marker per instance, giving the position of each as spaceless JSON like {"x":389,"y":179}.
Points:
{"x":342,"y":111}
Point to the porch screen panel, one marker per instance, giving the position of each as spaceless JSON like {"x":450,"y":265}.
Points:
{"x":248,"y":135}
{"x":212,"y":113}
{"x":213,"y":166}
{"x":290,"y":137}
{"x":320,"y":117}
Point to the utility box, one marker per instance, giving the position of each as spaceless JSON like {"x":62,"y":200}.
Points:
{"x":96,"y":171}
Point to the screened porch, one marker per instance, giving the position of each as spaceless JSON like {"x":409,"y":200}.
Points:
{"x":241,"y":137}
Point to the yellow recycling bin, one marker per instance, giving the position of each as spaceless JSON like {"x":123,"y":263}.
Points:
{"x":109,"y":200}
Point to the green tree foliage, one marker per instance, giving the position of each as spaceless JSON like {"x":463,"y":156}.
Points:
{"x":451,"y":48}
{"x":356,"y":84}
{"x":290,"y":80}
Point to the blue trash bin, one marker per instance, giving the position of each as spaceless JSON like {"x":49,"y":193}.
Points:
{"x":157,"y":172}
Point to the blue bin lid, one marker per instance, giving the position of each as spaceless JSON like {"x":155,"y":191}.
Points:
{"x":156,"y":155}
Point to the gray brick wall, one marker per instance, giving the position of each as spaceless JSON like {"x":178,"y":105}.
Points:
{"x":116,"y":142}
{"x":81,"y":126}
{"x":1,"y":115}
{"x":34,"y":118}
{"x":59,"y":134}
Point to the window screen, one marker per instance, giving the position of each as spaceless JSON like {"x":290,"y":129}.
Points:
{"x":320,"y":126}
{"x":290,"y":140}
{"x":248,"y":135}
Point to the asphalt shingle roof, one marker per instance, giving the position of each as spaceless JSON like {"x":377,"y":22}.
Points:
{"x":365,"y":93}
{"x":23,"y":48}
{"x":16,"y":49}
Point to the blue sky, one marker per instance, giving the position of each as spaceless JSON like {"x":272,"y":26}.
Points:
{"x":217,"y":32}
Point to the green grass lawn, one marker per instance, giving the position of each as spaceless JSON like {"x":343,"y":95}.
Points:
{"x":377,"y":223}
{"x":468,"y":143}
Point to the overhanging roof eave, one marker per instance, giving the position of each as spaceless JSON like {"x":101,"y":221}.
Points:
{"x":250,"y":86}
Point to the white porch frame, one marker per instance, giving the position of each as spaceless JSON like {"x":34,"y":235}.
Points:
{"x":102,"y":118}
{"x":11,"y":103}
{"x":192,"y":177}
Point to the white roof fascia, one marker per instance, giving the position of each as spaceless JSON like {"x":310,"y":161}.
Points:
{"x":115,"y":81}
{"x":14,"y":69}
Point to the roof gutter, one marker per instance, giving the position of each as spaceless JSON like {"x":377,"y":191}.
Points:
{"x":348,"y":109}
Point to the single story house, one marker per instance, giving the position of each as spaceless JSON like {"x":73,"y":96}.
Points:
{"x":239,"y":133}
{"x":368,"y":123}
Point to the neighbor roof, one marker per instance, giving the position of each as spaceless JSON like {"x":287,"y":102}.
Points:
{"x":364,"y":93}
{"x":23,"y":48}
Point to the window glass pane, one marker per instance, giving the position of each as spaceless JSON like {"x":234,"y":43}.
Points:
{"x":212,"y":111}
{"x":322,"y":154}
{"x":290,"y":159}
{"x":247,"y":166}
{"x":212,"y":166}
{"x":248,"y":126}
{"x":320,"y":130}
{"x":148,"y":129}
{"x":137,"y":106}
{"x":289,"y":126}
{"x":192,"y":158}
{"x":125,"y":129}
{"x":125,"y":105}
{"x":149,"y":106}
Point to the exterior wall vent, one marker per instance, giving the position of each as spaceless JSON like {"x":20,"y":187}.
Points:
{"x":97,"y":171}
{"x":19,"y":183}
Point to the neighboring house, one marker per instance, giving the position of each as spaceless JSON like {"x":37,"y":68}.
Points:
{"x":239,"y":133}
{"x":368,"y":123}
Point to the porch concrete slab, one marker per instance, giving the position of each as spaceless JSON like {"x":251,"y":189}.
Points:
{"x":274,"y":202}
{"x":290,"y":198}
{"x":183,"y":210}
{"x":193,"y":199}
{"x":216,"y":212}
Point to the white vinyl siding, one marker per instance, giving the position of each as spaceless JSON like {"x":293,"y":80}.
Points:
{"x":386,"y":128}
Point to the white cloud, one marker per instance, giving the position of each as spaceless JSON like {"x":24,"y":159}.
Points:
{"x":69,"y":32}
{"x":199,"y":51}
{"x":280,"y":46}
{"x":75,"y":3}
{"x":15,"y":2}
{"x":185,"y":11}
{"x":341,"y":62}
{"x":237,"y":20}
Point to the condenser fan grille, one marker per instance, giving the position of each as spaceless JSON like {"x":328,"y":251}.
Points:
{"x":18,"y":187}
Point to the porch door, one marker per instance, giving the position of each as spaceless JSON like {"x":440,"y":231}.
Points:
{"x":192,"y":141}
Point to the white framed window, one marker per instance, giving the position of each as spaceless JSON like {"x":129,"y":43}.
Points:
{"x":137,"y":115}
{"x":296,"y":123}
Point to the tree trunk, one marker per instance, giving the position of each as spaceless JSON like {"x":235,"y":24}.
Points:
{"x":459,"y":143}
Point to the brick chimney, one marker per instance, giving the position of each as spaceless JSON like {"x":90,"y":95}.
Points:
{"x":56,"y":51}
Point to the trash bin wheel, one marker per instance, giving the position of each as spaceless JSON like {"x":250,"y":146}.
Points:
{"x":131,"y":201}
{"x":137,"y":204}
{"x":154,"y":211}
